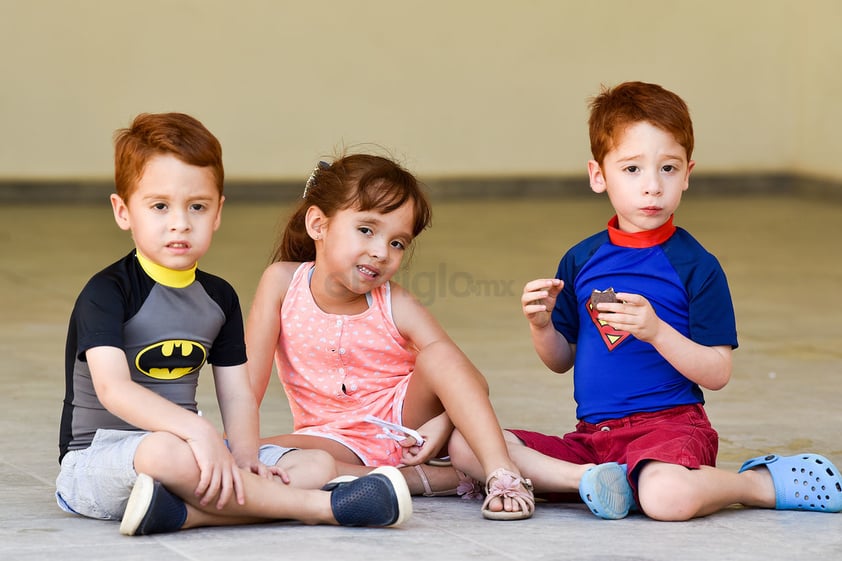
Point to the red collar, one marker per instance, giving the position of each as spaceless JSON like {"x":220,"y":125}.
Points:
{"x":639,"y":240}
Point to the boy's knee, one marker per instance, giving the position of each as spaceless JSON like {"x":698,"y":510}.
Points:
{"x":666,"y":493}
{"x":164,"y":453}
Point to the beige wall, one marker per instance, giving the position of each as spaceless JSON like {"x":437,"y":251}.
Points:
{"x":819,"y":136}
{"x":452,"y":87}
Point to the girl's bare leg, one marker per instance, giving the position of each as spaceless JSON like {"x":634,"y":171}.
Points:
{"x":444,"y":379}
{"x":348,"y":463}
{"x":341,"y":453}
{"x":548,"y":475}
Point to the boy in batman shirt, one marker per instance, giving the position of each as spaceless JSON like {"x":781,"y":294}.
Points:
{"x":132,"y":444}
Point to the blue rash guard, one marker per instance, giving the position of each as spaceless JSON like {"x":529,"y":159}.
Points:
{"x":615,"y":374}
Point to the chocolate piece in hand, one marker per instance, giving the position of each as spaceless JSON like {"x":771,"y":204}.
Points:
{"x":599,"y":296}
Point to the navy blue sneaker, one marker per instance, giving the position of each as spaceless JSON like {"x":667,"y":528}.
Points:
{"x":380,"y":498}
{"x":152,"y":509}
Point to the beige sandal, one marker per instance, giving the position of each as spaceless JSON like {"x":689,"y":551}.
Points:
{"x":503,"y":483}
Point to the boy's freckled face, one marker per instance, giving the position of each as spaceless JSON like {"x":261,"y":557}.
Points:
{"x":172,"y":213}
{"x":644,"y":175}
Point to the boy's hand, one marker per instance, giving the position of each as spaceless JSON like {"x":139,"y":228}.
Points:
{"x":538,"y":300}
{"x":219,"y":475}
{"x":632,"y":313}
{"x":710,"y":367}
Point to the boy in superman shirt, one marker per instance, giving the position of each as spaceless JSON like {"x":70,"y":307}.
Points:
{"x":641,"y":361}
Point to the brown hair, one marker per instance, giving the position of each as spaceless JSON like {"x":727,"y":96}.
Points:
{"x":153,"y":134}
{"x":360,"y":181}
{"x":632,"y":102}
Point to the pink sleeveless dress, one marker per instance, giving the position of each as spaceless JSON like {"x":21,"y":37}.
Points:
{"x":336,"y":369}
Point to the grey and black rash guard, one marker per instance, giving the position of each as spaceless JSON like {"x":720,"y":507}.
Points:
{"x":169,"y":323}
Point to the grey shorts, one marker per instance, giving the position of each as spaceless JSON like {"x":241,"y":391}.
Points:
{"x":96,"y":482}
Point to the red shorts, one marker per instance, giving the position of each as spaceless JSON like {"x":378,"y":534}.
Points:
{"x":681,"y":435}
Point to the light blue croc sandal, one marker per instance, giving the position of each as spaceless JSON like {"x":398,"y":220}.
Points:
{"x":802,"y":482}
{"x":606,"y":491}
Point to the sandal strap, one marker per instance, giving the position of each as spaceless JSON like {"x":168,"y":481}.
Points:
{"x":428,"y":488}
{"x":428,"y":491}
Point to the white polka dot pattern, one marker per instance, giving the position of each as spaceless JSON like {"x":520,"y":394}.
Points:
{"x":337,"y":369}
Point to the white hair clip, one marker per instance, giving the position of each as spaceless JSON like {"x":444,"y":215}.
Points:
{"x":311,"y":181}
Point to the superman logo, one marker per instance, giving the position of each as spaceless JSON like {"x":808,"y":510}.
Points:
{"x":610,"y":336}
{"x":170,"y":360}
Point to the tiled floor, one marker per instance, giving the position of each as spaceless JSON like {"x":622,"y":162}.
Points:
{"x":782,"y":256}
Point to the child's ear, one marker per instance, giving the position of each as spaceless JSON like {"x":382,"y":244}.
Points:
{"x":316,"y":222}
{"x":121,"y":212}
{"x":596,"y":177}
{"x":218,"y":220}
{"x":690,"y":165}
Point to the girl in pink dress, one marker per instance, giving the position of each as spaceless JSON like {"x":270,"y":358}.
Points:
{"x":351,"y":346}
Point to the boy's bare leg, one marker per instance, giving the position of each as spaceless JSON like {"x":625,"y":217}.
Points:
{"x":168,"y":459}
{"x":548,"y":475}
{"x":673,"y":492}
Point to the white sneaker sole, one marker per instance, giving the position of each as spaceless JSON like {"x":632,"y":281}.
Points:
{"x":401,"y":492}
{"x":138,"y":504}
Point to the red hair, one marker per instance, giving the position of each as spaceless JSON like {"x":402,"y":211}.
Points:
{"x":153,"y":134}
{"x":632,"y":102}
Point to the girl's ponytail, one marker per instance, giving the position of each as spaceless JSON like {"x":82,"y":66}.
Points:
{"x":296,"y":244}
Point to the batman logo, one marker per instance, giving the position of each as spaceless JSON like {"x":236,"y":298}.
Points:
{"x":170,"y":360}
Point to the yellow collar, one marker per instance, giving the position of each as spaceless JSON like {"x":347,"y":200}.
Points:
{"x":166,"y":276}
